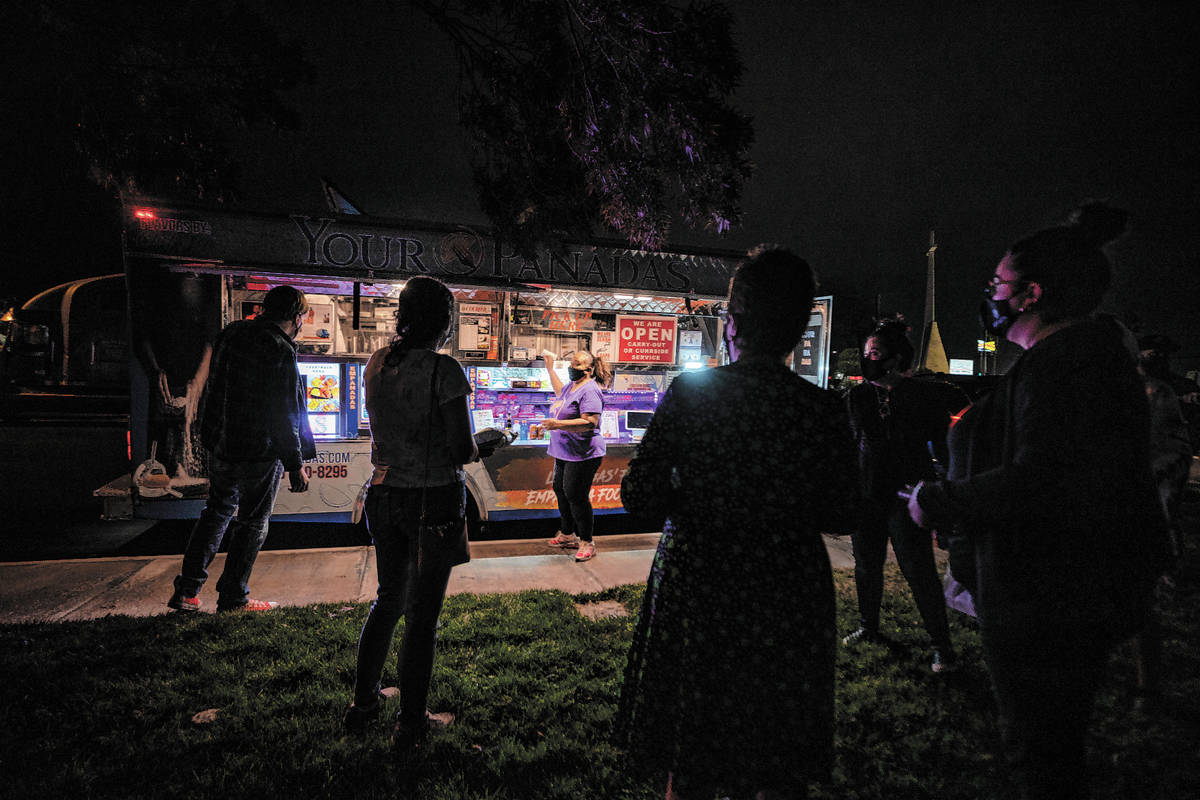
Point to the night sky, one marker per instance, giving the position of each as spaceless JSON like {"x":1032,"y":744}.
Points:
{"x":874,"y":124}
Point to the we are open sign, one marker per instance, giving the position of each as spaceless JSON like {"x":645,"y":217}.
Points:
{"x":646,"y":340}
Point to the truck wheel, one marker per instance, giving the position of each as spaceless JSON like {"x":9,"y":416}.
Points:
{"x":475,"y":526}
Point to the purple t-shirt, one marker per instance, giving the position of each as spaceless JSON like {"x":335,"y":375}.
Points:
{"x":572,"y":403}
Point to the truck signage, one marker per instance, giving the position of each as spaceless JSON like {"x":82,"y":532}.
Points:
{"x":370,"y":249}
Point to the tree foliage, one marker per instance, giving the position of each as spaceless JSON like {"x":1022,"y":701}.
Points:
{"x":600,"y":110}
{"x":582,"y":112}
{"x":153,"y":93}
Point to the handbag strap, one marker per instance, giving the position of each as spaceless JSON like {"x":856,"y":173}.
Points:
{"x":429,"y":429}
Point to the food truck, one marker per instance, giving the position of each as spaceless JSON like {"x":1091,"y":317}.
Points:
{"x":191,"y":271}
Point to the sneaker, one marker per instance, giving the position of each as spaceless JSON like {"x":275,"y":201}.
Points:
{"x":181,"y":603}
{"x":861,"y":636}
{"x":568,"y":540}
{"x":358,"y":718}
{"x":945,"y":662}
{"x":407,"y":738}
{"x":252,"y":605}
{"x":586,"y":552}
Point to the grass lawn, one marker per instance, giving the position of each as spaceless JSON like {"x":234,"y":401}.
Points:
{"x":105,"y":709}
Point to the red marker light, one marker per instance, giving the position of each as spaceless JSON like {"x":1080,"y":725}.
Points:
{"x":143,"y":213}
{"x":956,"y":418}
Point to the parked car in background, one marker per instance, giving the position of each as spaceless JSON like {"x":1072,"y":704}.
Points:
{"x":65,"y":352}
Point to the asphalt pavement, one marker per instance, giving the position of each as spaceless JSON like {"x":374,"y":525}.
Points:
{"x":64,"y":590}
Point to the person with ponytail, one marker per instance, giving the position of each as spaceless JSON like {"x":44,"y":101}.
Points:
{"x":1051,"y":501}
{"x":576,"y":445}
{"x":420,"y":439}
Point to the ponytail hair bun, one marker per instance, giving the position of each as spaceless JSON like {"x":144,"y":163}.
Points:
{"x":891,"y":326}
{"x":1099,"y":223}
{"x":602,"y":372}
{"x":1069,"y":261}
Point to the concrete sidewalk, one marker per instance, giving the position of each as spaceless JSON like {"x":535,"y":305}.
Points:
{"x":83,"y":589}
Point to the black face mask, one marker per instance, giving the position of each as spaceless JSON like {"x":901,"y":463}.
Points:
{"x":575,"y":374}
{"x":874,"y":370}
{"x":997,"y":316}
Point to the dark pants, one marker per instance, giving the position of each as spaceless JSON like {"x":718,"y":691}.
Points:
{"x":572,"y":487}
{"x":914,"y":552}
{"x":1045,"y":677}
{"x":404,"y":591}
{"x":242,"y":488}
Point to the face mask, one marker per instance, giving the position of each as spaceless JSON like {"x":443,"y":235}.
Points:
{"x":997,"y":316}
{"x":874,"y":370}
{"x":575,"y":374}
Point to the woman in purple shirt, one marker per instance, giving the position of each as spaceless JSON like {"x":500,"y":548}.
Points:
{"x":576,"y":445}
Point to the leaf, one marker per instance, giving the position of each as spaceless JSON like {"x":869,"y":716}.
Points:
{"x":206,"y":716}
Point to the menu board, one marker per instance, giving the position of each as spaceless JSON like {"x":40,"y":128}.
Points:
{"x":810,"y":359}
{"x":514,"y":378}
{"x":322,"y":386}
{"x":363,"y":419}
{"x":321,"y":382}
{"x":477,"y":323}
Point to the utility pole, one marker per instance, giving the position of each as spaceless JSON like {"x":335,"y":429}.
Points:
{"x":932,"y":355}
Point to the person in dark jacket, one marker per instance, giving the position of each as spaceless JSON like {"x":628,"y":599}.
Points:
{"x":899,"y":424}
{"x":255,"y":424}
{"x":1052,"y":500}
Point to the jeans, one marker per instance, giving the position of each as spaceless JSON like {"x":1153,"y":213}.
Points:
{"x":572,"y":487}
{"x":392,"y":518}
{"x":914,"y":552}
{"x":1045,"y":676}
{"x":245,"y":489}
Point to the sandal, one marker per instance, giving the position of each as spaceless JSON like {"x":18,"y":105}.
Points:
{"x":564,"y":540}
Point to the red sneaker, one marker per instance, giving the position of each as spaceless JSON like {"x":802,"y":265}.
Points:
{"x":181,"y":603}
{"x":253,"y":605}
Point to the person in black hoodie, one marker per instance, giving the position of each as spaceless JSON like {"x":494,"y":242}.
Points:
{"x":1052,"y":500}
{"x":899,"y":425}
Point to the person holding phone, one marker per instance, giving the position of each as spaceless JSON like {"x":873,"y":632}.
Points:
{"x":1051,"y":499}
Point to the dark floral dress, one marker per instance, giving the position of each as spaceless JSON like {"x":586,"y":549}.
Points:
{"x":730,"y":675}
